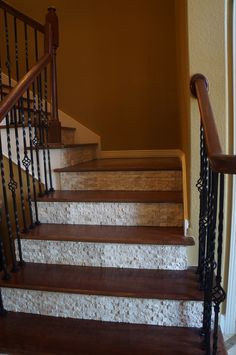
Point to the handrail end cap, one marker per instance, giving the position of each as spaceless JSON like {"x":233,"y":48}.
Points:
{"x":194,"y":78}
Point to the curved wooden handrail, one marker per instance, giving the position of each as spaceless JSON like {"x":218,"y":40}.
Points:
{"x":26,"y":19}
{"x":220,"y":162}
{"x":17,"y":92}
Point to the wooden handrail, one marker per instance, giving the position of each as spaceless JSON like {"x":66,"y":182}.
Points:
{"x":51,"y":42}
{"x":17,"y":92}
{"x":26,"y":19}
{"x":220,"y":162}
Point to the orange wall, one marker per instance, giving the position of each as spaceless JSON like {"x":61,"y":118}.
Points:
{"x":117,"y":68}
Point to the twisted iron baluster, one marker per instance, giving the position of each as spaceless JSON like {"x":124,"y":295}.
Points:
{"x":46,"y":128}
{"x":31,"y":159}
{"x":17,"y":135}
{"x":35,"y":140}
{"x":26,"y":162}
{"x":3,"y":260}
{"x":8,"y":219}
{"x":218,"y":292}
{"x":202,"y":186}
{"x":3,"y":312}
{"x":210,"y":260}
{"x":12,"y":185}
{"x":8,"y":58}
{"x":41,"y":115}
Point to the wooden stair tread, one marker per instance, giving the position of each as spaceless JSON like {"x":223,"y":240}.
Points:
{"x":29,"y":334}
{"x":110,"y":234}
{"x":142,"y":164}
{"x":138,"y":283}
{"x":114,"y":196}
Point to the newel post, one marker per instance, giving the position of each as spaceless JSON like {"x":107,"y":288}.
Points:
{"x":51,"y":45}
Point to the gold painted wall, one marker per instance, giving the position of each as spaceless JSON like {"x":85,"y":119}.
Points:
{"x":117,"y":68}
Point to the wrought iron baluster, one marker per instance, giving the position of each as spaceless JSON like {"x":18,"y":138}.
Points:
{"x":3,"y":261}
{"x":3,"y":258}
{"x":8,"y":219}
{"x":51,"y":189}
{"x":41,"y":115}
{"x":26,"y":162}
{"x":30,"y":161}
{"x":12,"y":185}
{"x":218,"y":291}
{"x":210,"y":261}
{"x":32,"y":158}
{"x":202,"y":186}
{"x":17,"y":135}
{"x":35,"y":140}
{"x":3,"y":312}
{"x":8,"y":58}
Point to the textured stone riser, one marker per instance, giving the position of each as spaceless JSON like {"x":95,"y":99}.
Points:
{"x":67,"y":136}
{"x":122,"y":180}
{"x":130,"y":214}
{"x":105,"y":255}
{"x":105,"y":308}
{"x":72,"y":156}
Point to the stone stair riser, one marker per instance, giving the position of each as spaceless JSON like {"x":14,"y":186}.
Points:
{"x":112,"y":213}
{"x":67,"y":136}
{"x":122,"y":180}
{"x":105,"y":255}
{"x":105,"y":308}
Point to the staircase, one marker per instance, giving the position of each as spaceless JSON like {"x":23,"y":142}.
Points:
{"x":100,"y":265}
{"x":111,"y":255}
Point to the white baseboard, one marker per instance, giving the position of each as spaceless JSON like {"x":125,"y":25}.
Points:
{"x":186,"y":227}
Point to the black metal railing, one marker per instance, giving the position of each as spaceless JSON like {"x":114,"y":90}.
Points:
{"x":27,"y":60}
{"x":213,"y":167}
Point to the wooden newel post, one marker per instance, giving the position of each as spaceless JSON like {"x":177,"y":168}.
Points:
{"x":51,"y":45}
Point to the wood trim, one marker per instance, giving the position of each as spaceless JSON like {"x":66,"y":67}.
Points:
{"x":185,"y":191}
{"x":26,"y":19}
{"x":17,"y":92}
{"x":155,"y":153}
{"x":220,"y":162}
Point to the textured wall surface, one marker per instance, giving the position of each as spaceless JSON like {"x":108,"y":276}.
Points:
{"x":104,"y":308}
{"x":105,"y":255}
{"x":130,"y":214}
{"x":141,"y":180}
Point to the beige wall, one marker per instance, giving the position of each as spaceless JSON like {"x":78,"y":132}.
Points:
{"x":117,"y":68}
{"x":208,"y":54}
